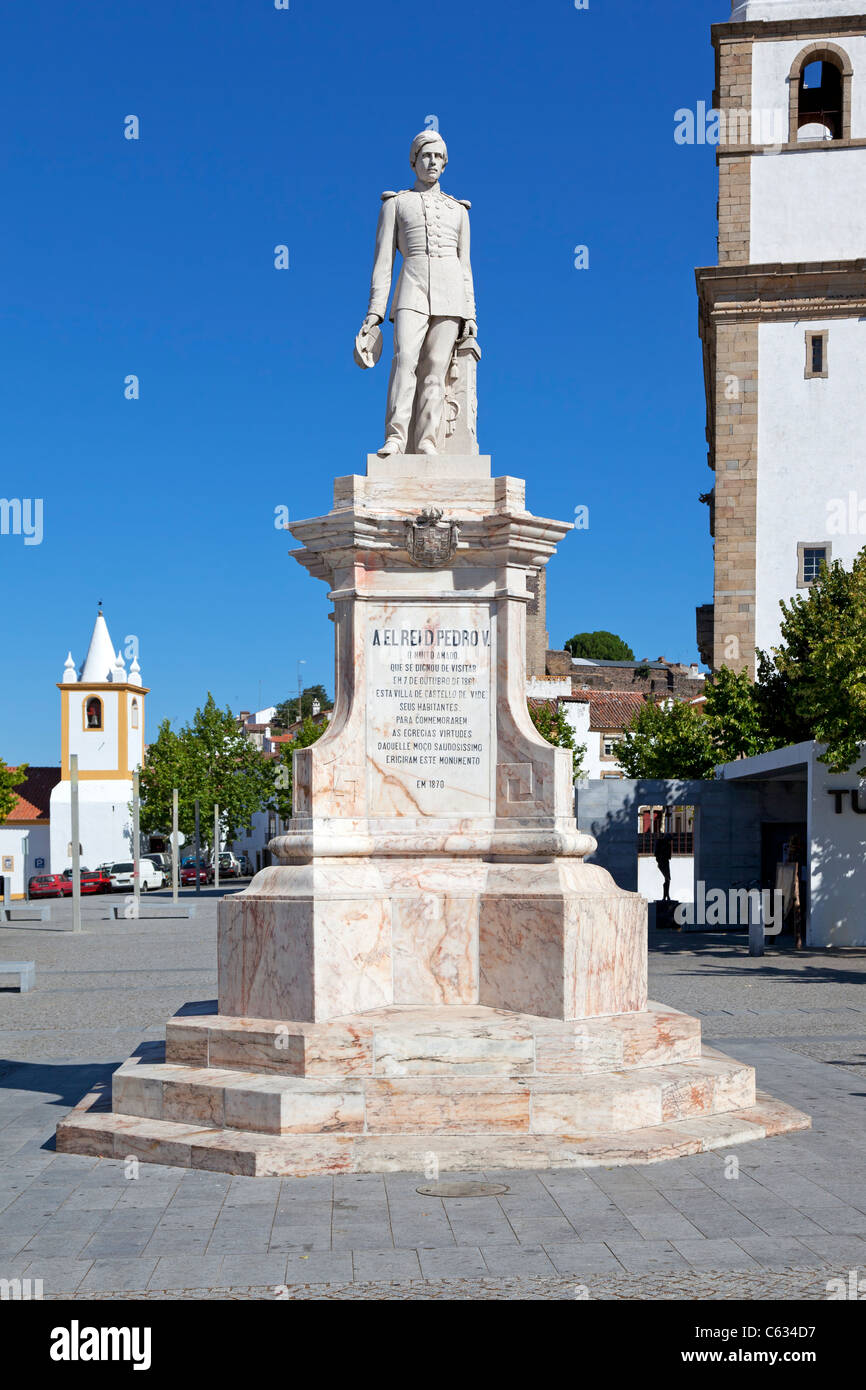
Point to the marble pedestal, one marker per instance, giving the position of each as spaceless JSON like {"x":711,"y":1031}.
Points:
{"x":429,"y":975}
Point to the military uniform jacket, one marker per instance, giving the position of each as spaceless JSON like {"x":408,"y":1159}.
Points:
{"x":431,"y":232}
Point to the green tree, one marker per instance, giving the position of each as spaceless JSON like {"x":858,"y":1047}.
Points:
{"x":733,"y":715}
{"x":668,"y":739}
{"x":599,"y":646}
{"x":10,"y":777}
{"x":210,"y":760}
{"x":552,"y":724}
{"x":281,"y":799}
{"x":813,"y":685}
{"x":287,"y":710}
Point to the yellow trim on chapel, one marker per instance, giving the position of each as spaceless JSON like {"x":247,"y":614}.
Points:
{"x":123,"y":688}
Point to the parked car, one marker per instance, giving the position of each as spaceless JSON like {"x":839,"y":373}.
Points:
{"x":95,"y":881}
{"x":50,"y":886}
{"x":187,"y":872}
{"x":230,"y":865}
{"x":247,"y":869}
{"x":92,"y":880}
{"x":122,"y":876}
{"x":161,"y":862}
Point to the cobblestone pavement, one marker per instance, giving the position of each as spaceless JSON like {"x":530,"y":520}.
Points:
{"x":770,"y":1220}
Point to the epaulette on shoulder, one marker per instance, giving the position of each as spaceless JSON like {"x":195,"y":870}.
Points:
{"x":391,"y":193}
{"x":464,"y":202}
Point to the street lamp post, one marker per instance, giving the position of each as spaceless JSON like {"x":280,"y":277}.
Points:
{"x":174,"y":846}
{"x":136,"y":846}
{"x":75,"y":846}
{"x":197,"y":852}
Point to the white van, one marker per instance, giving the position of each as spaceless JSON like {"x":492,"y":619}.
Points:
{"x":121,"y":875}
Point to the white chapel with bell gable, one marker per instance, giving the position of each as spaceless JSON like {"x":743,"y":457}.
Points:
{"x":102,"y":708}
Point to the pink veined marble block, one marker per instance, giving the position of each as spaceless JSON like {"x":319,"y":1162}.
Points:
{"x":429,"y":969}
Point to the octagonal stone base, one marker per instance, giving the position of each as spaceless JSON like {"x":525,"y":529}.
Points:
{"x":339,"y":936}
{"x":424,"y":1090}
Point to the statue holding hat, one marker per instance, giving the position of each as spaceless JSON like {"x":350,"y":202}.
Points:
{"x":433,"y":308}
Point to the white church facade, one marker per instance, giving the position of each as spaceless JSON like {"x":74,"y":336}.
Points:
{"x":783,"y":314}
{"x":102,"y":722}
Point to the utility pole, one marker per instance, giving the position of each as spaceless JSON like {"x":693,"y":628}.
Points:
{"x":301,"y":663}
{"x":216,"y":846}
{"x":174,"y":846}
{"x":76,"y":847}
{"x":136,"y":855}
{"x":197,"y":851}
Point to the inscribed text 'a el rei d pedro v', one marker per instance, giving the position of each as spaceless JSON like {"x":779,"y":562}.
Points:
{"x":430,"y":965}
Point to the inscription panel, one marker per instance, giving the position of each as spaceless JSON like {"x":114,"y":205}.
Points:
{"x":430,"y":712}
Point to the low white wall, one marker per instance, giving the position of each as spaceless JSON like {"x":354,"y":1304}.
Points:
{"x":12,"y":840}
{"x":651,"y":884}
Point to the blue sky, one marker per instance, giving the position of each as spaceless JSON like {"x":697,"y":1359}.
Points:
{"x":155,"y":257}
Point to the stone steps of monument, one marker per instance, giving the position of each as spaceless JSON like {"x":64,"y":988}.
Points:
{"x":89,"y":1131}
{"x":462,"y":1040}
{"x":434,"y":1105}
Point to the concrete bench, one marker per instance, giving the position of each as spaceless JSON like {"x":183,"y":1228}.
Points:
{"x":32,"y":913}
{"x":118,"y":912}
{"x":23,"y":970}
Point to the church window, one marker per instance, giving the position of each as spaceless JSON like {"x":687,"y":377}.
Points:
{"x":93,"y":713}
{"x":820,"y":94}
{"x":816,"y":353}
{"x":134,"y":716}
{"x":811,"y":555}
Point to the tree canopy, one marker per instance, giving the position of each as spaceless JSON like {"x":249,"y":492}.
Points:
{"x":287,"y":710}
{"x":552,"y":724}
{"x":667,"y":739}
{"x":210,"y":759}
{"x":10,"y":777}
{"x":599,"y":646}
{"x":811,"y":686}
{"x":283,"y":778}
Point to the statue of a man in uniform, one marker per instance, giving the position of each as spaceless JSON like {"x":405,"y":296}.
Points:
{"x":434,"y":302}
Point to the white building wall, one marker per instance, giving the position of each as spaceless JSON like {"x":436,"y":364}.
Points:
{"x":743,"y":10}
{"x":651,"y":884}
{"x":105,"y":823}
{"x":577,"y":714}
{"x":12,"y":842}
{"x":256,"y":842}
{"x":837,"y":867}
{"x":808,"y":207}
{"x":811,"y":456}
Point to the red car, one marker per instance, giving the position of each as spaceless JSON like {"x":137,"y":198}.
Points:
{"x":92,"y":881}
{"x":50,"y":886}
{"x":95,"y":881}
{"x":187,"y":873}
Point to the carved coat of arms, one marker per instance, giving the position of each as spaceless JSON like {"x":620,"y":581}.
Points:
{"x":430,"y":541}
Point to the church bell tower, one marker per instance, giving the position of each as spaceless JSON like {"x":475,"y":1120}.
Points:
{"x":783,"y":314}
{"x":102,"y":722}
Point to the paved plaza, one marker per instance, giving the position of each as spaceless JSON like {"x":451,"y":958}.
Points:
{"x":775,"y":1219}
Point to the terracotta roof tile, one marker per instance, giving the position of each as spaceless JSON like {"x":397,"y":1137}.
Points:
{"x":613,"y":709}
{"x":34,"y":795}
{"x":608,"y":709}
